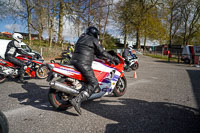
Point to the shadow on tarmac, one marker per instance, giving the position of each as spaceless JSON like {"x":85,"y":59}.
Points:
{"x":36,"y":97}
{"x":138,"y":116}
{"x":195,"y":82}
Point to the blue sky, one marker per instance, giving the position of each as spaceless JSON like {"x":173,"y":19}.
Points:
{"x":19,"y":25}
{"x":11,"y":25}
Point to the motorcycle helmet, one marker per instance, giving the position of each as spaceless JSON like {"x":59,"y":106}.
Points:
{"x":93,"y":31}
{"x":130,"y":47}
{"x":18,"y":37}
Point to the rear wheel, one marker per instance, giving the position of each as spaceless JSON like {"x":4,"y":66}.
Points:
{"x":59,"y":100}
{"x":2,"y":78}
{"x":42,"y":72}
{"x":120,"y":88}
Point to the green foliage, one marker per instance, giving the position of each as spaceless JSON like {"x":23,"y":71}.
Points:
{"x":153,"y":28}
{"x":109,"y":41}
{"x":140,"y":19}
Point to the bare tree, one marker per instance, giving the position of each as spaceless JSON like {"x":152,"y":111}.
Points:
{"x":191,"y":17}
{"x":51,"y":19}
{"x":61,"y":15}
{"x":39,"y":18}
{"x":29,"y":8}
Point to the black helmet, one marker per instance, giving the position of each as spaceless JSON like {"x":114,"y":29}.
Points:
{"x":93,"y":31}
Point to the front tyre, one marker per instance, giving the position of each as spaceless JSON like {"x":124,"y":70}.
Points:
{"x":135,"y":66}
{"x":120,"y":87}
{"x":4,"y":127}
{"x":42,"y":72}
{"x":59,"y":100}
{"x":2,"y":78}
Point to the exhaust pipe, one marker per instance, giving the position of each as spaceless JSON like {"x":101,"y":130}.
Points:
{"x":63,"y":87}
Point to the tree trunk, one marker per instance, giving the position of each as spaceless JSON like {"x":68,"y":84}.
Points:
{"x":29,"y":20}
{"x":145,"y":40}
{"x":125,"y":36}
{"x":138,"y":39}
{"x":51,"y":23}
{"x":106,"y":22}
{"x":89,"y":12}
{"x":61,"y":14}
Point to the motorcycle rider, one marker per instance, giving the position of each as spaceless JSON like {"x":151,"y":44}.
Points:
{"x":69,"y":51}
{"x":86,"y":48}
{"x":13,"y":48}
{"x":67,"y":54}
{"x":126,"y":52}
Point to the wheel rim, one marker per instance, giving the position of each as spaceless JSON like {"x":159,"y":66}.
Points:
{"x":134,"y":66}
{"x":43,"y":72}
{"x":121,"y":85}
{"x":60,"y":101}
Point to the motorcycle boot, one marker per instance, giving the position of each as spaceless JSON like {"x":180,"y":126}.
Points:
{"x":21,"y":77}
{"x":76,"y":102}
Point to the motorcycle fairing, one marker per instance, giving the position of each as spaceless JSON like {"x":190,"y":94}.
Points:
{"x":70,"y":71}
{"x":6,"y":63}
{"x":9,"y":64}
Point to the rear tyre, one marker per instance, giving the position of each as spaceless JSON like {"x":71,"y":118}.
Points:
{"x":120,"y":88}
{"x":3,"y":123}
{"x":2,"y":78}
{"x":42,"y":72}
{"x":59,"y":100}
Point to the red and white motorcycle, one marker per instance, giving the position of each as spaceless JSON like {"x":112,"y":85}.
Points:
{"x":35,"y":68}
{"x":110,"y":77}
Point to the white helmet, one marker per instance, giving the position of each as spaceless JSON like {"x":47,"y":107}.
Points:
{"x":18,"y":37}
{"x":130,"y":47}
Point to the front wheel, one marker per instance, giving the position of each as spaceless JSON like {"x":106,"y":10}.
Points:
{"x":59,"y":100}
{"x":42,"y":72}
{"x":135,"y":66}
{"x":2,"y":78}
{"x":3,"y":123}
{"x":120,"y":87}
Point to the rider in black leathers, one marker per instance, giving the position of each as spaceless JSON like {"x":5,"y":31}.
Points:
{"x":13,"y":48}
{"x":86,"y":48}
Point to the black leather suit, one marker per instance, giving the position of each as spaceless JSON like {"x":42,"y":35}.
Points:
{"x":10,"y":54}
{"x":86,"y":48}
{"x":125,"y":55}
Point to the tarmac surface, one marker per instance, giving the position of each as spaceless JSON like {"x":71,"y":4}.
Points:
{"x":164,"y":98}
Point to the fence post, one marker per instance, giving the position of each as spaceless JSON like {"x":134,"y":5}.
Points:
{"x":41,"y":51}
{"x":178,"y":57}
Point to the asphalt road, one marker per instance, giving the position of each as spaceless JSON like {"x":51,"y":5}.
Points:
{"x":165,"y":98}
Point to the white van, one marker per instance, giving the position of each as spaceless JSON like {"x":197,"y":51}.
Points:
{"x":189,"y":53}
{"x":4,"y":44}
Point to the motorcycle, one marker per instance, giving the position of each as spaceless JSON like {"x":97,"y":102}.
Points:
{"x":131,"y":63}
{"x":70,"y":82}
{"x":35,"y":68}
